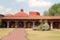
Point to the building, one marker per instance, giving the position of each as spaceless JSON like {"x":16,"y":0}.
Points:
{"x":23,"y":20}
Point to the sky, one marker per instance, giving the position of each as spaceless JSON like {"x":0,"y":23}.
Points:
{"x":14,"y":6}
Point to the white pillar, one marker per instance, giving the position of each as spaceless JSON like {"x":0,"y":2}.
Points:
{"x":33,"y":23}
{"x":7,"y":24}
{"x":16,"y":23}
{"x":24,"y":24}
{"x":51,"y":25}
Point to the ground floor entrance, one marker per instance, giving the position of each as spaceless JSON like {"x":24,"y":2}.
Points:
{"x":55,"y":24}
{"x":19,"y":24}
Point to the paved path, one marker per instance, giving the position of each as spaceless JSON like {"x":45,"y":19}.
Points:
{"x":18,"y":34}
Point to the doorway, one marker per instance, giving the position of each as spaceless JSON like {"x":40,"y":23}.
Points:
{"x":20,"y":24}
{"x":56,"y":25}
{"x":29,"y":24}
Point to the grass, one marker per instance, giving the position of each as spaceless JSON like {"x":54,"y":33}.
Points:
{"x":43,"y":35}
{"x":5,"y":32}
{"x":34,"y":35}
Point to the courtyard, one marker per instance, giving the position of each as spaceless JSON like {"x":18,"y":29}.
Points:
{"x":43,"y":35}
{"x":33,"y":34}
{"x":5,"y":32}
{"x":30,"y":20}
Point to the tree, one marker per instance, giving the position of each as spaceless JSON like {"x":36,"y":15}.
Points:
{"x":53,"y":10}
{"x":41,"y":25}
{"x":46,"y":13}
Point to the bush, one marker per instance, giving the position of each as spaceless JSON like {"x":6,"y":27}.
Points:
{"x":43,"y":27}
{"x":46,"y":26}
{"x":40,"y":27}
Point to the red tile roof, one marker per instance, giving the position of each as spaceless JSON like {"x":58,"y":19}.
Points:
{"x":34,"y":13}
{"x":8,"y":15}
{"x":23,"y":14}
{"x":20,"y":14}
{"x":33,"y":17}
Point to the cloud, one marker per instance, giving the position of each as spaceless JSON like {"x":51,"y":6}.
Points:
{"x":8,"y":9}
{"x":39,"y":3}
{"x":35,"y":10}
{"x":19,"y":0}
{"x":1,"y":7}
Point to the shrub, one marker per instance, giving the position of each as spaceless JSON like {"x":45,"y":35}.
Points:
{"x":40,"y":27}
{"x":44,"y":26}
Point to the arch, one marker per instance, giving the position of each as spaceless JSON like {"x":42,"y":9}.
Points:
{"x":29,"y":24}
{"x":56,"y":25}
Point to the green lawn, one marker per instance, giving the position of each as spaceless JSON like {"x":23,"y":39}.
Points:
{"x":34,"y":35}
{"x":43,"y":35}
{"x":5,"y":31}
